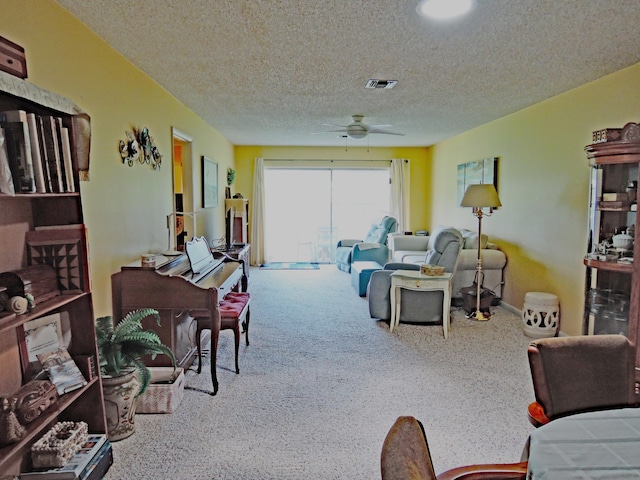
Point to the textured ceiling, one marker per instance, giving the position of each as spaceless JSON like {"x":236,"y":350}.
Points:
{"x":271,"y":72}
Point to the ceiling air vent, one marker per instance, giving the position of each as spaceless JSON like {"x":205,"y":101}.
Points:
{"x":381,"y":83}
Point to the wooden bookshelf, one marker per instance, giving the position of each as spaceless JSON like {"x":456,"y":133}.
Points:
{"x":59,"y":215}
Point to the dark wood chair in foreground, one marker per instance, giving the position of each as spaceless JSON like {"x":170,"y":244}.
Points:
{"x":405,"y":456}
{"x":579,"y":374}
{"x":234,"y":313}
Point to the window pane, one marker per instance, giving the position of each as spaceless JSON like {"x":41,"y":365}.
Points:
{"x":360,"y":197}
{"x":297,"y":203}
{"x":308,"y":210}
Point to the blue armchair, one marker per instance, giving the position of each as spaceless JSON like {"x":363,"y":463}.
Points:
{"x":373,"y":248}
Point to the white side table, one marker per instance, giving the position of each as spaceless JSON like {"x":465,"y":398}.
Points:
{"x":414,"y":280}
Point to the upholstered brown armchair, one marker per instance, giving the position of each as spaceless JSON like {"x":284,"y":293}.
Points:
{"x":578,"y":374}
{"x":405,"y":456}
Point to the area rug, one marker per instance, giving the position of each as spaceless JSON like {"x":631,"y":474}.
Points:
{"x":290,"y":266}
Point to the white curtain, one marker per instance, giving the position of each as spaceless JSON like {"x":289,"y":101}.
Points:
{"x":400,"y":192}
{"x":257,"y":214}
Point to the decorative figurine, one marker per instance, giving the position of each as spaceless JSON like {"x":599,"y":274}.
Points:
{"x":18,"y":304}
{"x":10,"y":428}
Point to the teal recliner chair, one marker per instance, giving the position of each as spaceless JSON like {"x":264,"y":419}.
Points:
{"x":373,"y":248}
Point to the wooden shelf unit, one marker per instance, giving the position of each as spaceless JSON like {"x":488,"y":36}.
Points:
{"x":237,"y":214}
{"x":20,"y":215}
{"x":612,"y":293}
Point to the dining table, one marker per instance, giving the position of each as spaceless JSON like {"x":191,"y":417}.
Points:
{"x":603,"y":444}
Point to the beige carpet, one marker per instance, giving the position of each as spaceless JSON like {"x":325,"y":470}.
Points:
{"x":321,"y":384}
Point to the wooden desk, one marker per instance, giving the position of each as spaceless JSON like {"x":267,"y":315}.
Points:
{"x":180,"y":296}
{"x":603,"y":445}
{"x":414,"y":280}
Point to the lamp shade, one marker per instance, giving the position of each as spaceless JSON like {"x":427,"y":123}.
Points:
{"x":481,"y":195}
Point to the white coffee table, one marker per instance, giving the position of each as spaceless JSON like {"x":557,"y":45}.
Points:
{"x":414,"y":280}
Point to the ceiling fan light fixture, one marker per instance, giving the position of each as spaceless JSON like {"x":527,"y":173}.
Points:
{"x":357,"y":130}
{"x":356,"y":134}
{"x":444,"y":9}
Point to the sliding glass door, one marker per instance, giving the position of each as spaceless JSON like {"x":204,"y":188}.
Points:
{"x":308,"y":210}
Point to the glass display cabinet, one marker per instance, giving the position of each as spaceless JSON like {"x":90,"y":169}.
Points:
{"x":612,"y":296}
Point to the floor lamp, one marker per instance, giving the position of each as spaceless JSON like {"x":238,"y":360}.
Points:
{"x":478,"y":197}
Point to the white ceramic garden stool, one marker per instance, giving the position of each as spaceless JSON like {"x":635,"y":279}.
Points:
{"x":540,"y":315}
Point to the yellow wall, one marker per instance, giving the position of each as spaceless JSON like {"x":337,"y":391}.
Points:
{"x":543,"y":173}
{"x":543,"y":183}
{"x":125,"y":207}
{"x":419,"y":161}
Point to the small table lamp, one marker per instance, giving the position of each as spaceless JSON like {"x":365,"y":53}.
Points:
{"x":478,"y":197}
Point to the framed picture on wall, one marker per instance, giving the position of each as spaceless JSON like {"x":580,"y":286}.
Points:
{"x":209,"y":183}
{"x":480,"y":171}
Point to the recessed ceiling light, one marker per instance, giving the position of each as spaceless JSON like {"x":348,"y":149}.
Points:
{"x":444,"y":9}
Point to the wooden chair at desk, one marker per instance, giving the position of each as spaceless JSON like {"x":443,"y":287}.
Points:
{"x":405,"y":456}
{"x":579,"y":374}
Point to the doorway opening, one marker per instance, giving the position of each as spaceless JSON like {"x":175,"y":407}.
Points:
{"x":181,"y":222}
{"x":307,"y":210}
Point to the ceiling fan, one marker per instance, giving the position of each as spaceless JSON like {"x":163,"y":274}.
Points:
{"x":357,"y":129}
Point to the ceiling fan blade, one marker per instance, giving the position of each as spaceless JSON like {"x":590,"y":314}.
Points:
{"x":386,"y":132}
{"x":375,"y":127}
{"x":333,"y":125}
{"x":329,"y":131}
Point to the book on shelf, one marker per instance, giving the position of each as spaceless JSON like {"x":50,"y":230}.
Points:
{"x":44,"y":154}
{"x":82,"y":464}
{"x":63,"y":166}
{"x":99,"y":465}
{"x":16,"y":136}
{"x":32,"y":143}
{"x":62,"y":370}
{"x":36,"y":153}
{"x":67,"y":160}
{"x":13,"y":156}
{"x":52,"y":149}
{"x":6,"y":179}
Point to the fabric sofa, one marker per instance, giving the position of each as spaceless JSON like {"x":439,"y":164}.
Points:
{"x":413,"y":248}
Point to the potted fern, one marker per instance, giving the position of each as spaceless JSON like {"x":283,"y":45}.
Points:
{"x":124,"y":375}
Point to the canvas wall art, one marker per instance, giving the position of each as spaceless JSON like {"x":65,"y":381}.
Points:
{"x":480,"y":171}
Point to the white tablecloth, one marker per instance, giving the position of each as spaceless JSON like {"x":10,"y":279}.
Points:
{"x":594,"y":445}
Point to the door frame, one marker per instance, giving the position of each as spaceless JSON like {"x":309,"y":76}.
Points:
{"x":181,"y":173}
